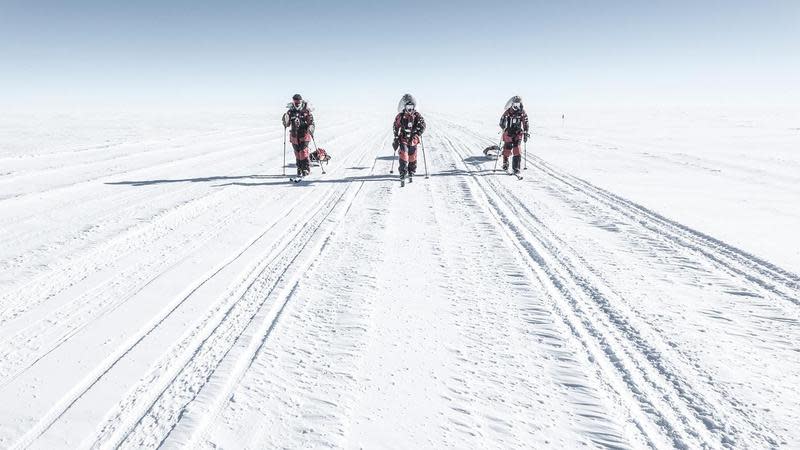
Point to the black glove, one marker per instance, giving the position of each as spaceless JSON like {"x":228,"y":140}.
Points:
{"x":396,"y":143}
{"x":527,"y":135}
{"x":285,"y":120}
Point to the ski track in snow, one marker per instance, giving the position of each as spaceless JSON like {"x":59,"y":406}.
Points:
{"x":776,"y":286}
{"x":188,"y":296}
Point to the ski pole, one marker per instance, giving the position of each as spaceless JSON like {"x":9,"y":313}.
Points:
{"x":284,"y":150}
{"x":394,"y":152}
{"x":318,"y":160}
{"x":424,"y":161}
{"x":526,"y":155}
{"x":499,"y":154}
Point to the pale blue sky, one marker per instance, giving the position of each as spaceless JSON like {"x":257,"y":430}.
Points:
{"x":449,"y":54}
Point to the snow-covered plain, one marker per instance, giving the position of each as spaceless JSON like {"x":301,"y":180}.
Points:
{"x":163,"y":284}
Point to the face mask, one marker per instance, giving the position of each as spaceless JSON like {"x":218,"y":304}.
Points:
{"x":298,"y":105}
{"x":516,"y":105}
{"x":409,"y":108}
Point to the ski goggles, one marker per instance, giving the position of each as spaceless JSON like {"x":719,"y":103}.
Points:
{"x":409,"y":107}
{"x":516,"y":105}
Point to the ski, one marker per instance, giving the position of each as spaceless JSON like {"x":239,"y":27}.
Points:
{"x":519,"y":177}
{"x":299,"y":178}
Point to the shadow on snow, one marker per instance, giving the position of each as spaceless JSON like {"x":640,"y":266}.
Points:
{"x":240,"y":180}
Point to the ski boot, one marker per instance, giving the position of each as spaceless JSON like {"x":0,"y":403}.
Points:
{"x":516,"y":163}
{"x":505,"y":163}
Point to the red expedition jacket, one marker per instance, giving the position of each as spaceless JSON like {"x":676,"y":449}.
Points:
{"x":514,"y":123}
{"x":408,"y":127}
{"x":302,"y":123}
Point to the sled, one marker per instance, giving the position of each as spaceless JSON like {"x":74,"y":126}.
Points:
{"x":319,"y":156}
{"x":492,"y":152}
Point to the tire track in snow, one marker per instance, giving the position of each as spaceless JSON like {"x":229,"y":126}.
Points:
{"x":103,"y":172}
{"x":727,"y":415}
{"x":758,"y":271}
{"x":67,"y":402}
{"x":57,"y":278}
{"x":767,"y":276}
{"x":52,"y":205}
{"x":121,"y":140}
{"x":628,"y":374}
{"x":62,"y":278}
{"x":77,"y":266}
{"x":73,"y":156}
{"x":40,"y":336}
{"x":93,"y":377}
{"x":652,"y":327}
{"x":519,"y":318}
{"x":727,"y":427}
{"x":45,"y":211}
{"x":299,"y":385}
{"x":41,"y":222}
{"x":147,"y":418}
{"x":177,"y":155}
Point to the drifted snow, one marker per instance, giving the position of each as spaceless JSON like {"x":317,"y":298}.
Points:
{"x":163,"y":284}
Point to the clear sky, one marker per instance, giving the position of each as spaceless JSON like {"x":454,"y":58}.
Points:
{"x":449,"y":54}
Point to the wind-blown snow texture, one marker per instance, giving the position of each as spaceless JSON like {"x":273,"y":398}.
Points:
{"x":162,"y":284}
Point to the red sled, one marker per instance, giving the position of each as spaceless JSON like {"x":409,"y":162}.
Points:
{"x":320,"y":156}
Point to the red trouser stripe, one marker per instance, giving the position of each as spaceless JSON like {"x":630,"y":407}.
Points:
{"x":408,"y":153}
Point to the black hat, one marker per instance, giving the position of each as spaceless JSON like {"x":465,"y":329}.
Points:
{"x":297,"y":97}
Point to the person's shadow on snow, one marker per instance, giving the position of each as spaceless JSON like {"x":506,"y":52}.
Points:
{"x":192,"y":180}
{"x":474,"y":161}
{"x":284,"y":179}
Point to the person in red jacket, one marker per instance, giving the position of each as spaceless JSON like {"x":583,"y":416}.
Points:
{"x":301,"y":120}
{"x":408,"y":127}
{"x":514,"y":123}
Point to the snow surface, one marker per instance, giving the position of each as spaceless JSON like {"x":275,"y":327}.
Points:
{"x":163,"y":284}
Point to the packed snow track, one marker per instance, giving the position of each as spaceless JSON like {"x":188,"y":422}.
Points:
{"x":178,"y":291}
